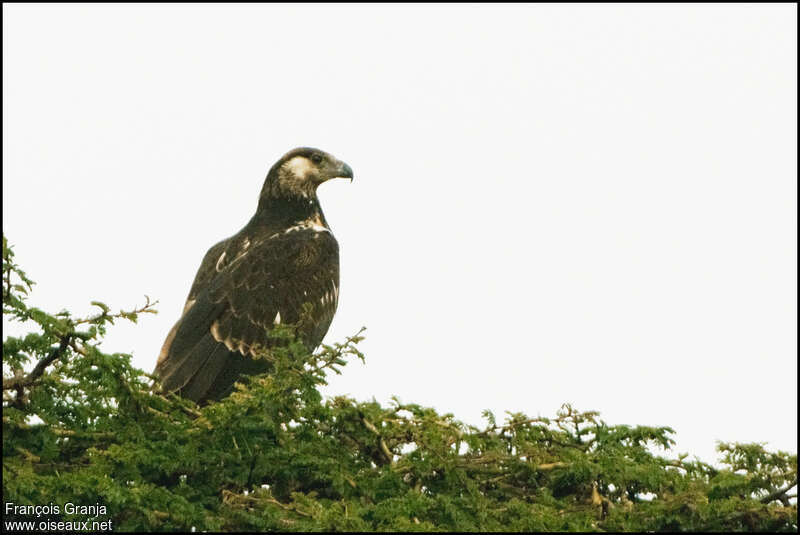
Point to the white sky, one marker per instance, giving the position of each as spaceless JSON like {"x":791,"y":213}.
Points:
{"x":586,"y":204}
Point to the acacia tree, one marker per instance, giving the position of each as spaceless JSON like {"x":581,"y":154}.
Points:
{"x":81,"y":426}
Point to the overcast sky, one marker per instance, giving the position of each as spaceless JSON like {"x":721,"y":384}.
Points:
{"x":587,"y":204}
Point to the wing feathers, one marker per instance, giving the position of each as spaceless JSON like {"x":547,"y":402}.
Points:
{"x":234,"y":309}
{"x":201,"y":381}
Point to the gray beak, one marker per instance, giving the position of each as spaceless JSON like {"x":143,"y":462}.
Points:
{"x":344,"y":171}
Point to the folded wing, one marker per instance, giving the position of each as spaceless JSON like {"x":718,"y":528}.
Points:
{"x":244,"y":286}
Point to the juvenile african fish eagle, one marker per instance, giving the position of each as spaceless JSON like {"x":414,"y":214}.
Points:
{"x":284,"y":257}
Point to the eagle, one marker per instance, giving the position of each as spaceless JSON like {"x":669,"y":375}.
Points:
{"x":284,"y":257}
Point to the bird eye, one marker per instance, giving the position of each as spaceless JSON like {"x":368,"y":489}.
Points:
{"x":316,"y":158}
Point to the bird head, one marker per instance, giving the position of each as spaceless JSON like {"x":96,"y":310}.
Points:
{"x":300,"y":171}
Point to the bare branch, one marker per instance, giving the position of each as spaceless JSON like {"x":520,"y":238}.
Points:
{"x":550,"y":466}
{"x":776,"y":495}
{"x":239,"y":499}
{"x":19,"y":382}
{"x":384,"y":448}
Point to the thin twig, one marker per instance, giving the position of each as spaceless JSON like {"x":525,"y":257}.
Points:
{"x":147,"y":308}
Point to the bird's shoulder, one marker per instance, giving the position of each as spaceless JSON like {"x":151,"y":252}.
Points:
{"x":208,"y":267}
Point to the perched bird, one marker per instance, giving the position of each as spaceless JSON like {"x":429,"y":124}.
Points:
{"x":284,"y":257}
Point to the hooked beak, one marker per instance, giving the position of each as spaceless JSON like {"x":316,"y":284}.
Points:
{"x":344,"y":171}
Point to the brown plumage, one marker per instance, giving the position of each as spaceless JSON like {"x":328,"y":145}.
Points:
{"x":284,"y":257}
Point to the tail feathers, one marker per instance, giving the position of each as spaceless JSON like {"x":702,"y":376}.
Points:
{"x":210,"y":372}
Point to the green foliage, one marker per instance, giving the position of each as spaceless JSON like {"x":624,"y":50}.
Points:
{"x":85,"y":427}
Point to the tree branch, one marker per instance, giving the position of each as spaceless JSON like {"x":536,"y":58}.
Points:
{"x":19,"y":382}
{"x":384,"y":448}
{"x":147,"y":308}
{"x":776,"y":495}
